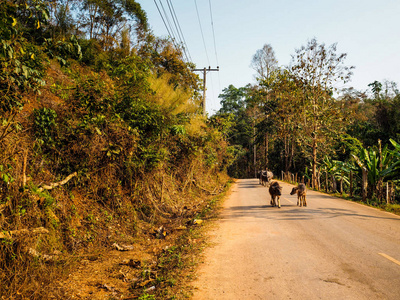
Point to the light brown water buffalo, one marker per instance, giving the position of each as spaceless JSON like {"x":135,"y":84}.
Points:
{"x":301,"y":194}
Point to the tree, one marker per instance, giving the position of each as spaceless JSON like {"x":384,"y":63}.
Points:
{"x":168,"y":59}
{"x":318,"y":68}
{"x":282,"y":108}
{"x":264,"y":62}
{"x":61,"y":18}
{"x":232,"y":99}
{"x":105,"y":19}
{"x":376,"y":87}
{"x":234,"y":118}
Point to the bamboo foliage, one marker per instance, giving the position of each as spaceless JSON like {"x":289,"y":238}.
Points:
{"x":173,"y":100}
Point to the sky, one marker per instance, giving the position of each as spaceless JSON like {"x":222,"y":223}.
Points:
{"x":228,"y":33}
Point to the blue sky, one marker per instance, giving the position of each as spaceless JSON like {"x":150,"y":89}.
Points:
{"x":367,"y":30}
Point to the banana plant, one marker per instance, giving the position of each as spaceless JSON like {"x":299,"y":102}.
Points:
{"x":395,"y":168}
{"x":338,"y":170}
{"x":381,"y":164}
{"x":342,"y":169}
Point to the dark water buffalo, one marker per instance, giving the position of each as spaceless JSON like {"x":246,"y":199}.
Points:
{"x":259,"y":173}
{"x":275,"y":190}
{"x":301,"y":191}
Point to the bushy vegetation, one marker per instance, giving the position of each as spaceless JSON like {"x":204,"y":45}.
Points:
{"x":100,"y":127}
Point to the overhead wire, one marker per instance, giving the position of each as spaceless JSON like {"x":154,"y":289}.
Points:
{"x":179,"y":30}
{"x":201,"y":30}
{"x":175,"y":32}
{"x":213,"y":32}
{"x":168,"y":21}
{"x":175,"y":35}
{"x":215,"y":52}
{"x":215,"y":44}
{"x":165,"y":24}
{"x":186,"y":49}
{"x":204,"y":42}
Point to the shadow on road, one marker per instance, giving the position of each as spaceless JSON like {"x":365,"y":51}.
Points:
{"x":293,"y":212}
{"x":248,"y":185}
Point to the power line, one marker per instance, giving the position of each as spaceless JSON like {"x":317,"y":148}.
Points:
{"x":173,"y":20}
{"x":176,"y":38}
{"x":212,"y":26}
{"x":165,"y":24}
{"x":201,"y":29}
{"x":169,"y":23}
{"x":215,"y":44}
{"x":179,"y":29}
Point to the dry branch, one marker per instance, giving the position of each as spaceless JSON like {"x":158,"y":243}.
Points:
{"x":22,"y":232}
{"x":4,"y":205}
{"x":24,"y":168}
{"x":208,"y":191}
{"x":56,"y":184}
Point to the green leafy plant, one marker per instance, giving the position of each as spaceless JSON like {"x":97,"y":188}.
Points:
{"x":64,"y":49}
{"x":380,"y":164}
{"x":146,"y":296}
{"x":5,"y":174}
{"x":45,"y":126}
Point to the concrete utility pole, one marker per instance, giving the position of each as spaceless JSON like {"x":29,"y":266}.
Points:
{"x":204,"y":85}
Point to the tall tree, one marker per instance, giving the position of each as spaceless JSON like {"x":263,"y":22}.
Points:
{"x":105,"y":19}
{"x":285,"y":98}
{"x":264,"y":62}
{"x":232,"y":100}
{"x":239,"y":133}
{"x":319,"y":68}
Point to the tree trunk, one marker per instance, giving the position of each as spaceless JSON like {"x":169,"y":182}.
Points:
{"x":341,"y":185}
{"x":334,"y":186}
{"x":364,"y":185}
{"x":319,"y":180}
{"x":254,"y":149}
{"x":266,"y":149}
{"x":314,"y":163}
{"x":326,"y":182}
{"x":351,"y":184}
{"x":291,"y":153}
{"x":286,"y":154}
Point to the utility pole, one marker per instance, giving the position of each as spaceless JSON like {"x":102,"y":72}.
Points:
{"x":204,"y":85}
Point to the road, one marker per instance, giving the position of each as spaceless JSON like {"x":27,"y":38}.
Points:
{"x":331,"y":249}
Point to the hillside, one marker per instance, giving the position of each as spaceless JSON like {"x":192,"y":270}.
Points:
{"x":104,"y":149}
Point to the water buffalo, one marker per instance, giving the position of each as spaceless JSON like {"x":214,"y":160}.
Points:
{"x":301,"y":194}
{"x":275,"y":190}
{"x":259,"y":176}
{"x":265,"y":177}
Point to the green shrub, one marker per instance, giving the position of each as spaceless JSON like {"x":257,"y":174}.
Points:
{"x":45,"y":126}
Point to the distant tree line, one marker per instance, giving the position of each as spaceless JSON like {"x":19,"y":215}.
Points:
{"x":295,"y":119}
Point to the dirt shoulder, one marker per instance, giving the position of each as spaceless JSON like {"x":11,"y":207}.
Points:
{"x":157,"y":265}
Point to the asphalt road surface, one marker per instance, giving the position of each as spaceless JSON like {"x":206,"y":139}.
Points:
{"x":331,"y":249}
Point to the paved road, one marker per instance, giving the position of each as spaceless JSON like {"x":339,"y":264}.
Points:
{"x":331,"y":249}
